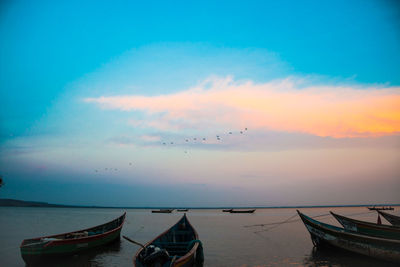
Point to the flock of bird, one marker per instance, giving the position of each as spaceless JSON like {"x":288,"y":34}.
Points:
{"x":110,"y":169}
{"x":186,"y":140}
{"x":201,"y":139}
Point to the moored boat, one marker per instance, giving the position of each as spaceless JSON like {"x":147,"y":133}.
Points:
{"x":162,"y":211}
{"x":380,"y":208}
{"x":242,"y":211}
{"x":368,"y":228}
{"x":177,"y":246}
{"x":323,"y":234}
{"x":227,"y":210}
{"x":38,"y":249}
{"x":393,"y":219}
{"x":182,"y":210}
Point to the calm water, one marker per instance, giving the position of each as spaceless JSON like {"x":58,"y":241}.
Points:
{"x":225,"y":239}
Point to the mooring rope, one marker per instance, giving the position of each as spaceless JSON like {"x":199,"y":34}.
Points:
{"x":289,"y":220}
{"x":276,"y":225}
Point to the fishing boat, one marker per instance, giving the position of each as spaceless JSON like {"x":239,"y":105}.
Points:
{"x":227,"y":210}
{"x":177,"y":246}
{"x":182,"y":210}
{"x":380,"y":208}
{"x":326,"y":235}
{"x":49,"y":247}
{"x":242,"y":211}
{"x":368,"y":228}
{"x":393,"y":219}
{"x":162,"y":211}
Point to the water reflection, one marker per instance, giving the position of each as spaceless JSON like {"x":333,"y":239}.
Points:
{"x":331,"y":256}
{"x":90,"y":258}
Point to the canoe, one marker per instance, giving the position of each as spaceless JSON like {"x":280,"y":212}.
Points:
{"x":228,"y":210}
{"x":178,"y":246}
{"x":393,"y":219}
{"x":162,"y":211}
{"x":326,"y":235}
{"x":242,"y":211}
{"x":367,"y":228}
{"x":49,"y":247}
{"x":380,"y":208}
{"x":182,"y":210}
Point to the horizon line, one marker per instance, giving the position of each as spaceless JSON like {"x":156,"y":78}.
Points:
{"x":55,"y":205}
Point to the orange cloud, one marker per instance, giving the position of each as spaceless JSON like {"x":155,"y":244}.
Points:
{"x":335,"y":111}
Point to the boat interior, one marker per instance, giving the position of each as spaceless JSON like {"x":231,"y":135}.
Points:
{"x":177,"y":241}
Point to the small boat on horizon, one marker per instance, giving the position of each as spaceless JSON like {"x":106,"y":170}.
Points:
{"x":177,"y":246}
{"x":39,"y":249}
{"x":380,"y":208}
{"x":242,"y":211}
{"x":162,"y":211}
{"x":368,"y":228}
{"x":326,"y":235}
{"x":393,"y":219}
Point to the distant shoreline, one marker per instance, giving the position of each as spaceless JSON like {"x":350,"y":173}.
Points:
{"x":4,"y":202}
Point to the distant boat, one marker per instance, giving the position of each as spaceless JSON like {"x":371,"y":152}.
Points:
{"x":242,"y":211}
{"x":367,"y":228}
{"x":227,"y":210}
{"x":178,"y":246}
{"x":49,"y":247}
{"x":393,"y":219}
{"x":326,"y":235}
{"x":182,"y":210}
{"x":162,"y":211}
{"x":380,"y":208}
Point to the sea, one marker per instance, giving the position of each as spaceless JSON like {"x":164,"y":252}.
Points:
{"x":228,"y":239}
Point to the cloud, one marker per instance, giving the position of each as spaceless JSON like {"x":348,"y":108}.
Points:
{"x":150,"y":138}
{"x":288,"y":105}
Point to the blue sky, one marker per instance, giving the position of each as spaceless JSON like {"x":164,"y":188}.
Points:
{"x":55,"y":56}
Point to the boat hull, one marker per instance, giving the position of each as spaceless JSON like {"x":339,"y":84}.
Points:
{"x":161,"y":211}
{"x":324,"y":235}
{"x":367,"y":228}
{"x":393,"y":219}
{"x":180,"y":241}
{"x":36,"y":250}
{"x":36,"y":255}
{"x":380,"y":208}
{"x":242,"y":211}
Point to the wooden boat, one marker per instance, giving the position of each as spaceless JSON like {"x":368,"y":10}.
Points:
{"x":323,"y":234}
{"x":242,"y":211}
{"x":49,"y":247}
{"x":393,"y":219}
{"x":367,"y":228}
{"x":177,"y":246}
{"x":227,"y":210}
{"x":162,"y":211}
{"x":380,"y":208}
{"x":182,"y":210}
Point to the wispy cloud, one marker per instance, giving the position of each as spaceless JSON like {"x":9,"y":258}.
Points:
{"x":285,"y":105}
{"x":150,"y":138}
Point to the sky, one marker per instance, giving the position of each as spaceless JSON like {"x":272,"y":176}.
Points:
{"x":201,"y":103}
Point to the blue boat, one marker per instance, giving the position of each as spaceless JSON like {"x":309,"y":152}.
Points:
{"x":179,"y":246}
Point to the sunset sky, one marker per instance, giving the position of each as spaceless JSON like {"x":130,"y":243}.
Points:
{"x":208,"y":103}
